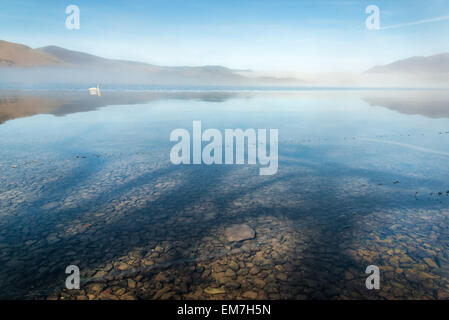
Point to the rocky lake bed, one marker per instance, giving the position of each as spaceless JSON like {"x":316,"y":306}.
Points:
{"x":107,"y":199}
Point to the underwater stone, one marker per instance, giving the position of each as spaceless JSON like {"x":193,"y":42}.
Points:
{"x":239,"y":232}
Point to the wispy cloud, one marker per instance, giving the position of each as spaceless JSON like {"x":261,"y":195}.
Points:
{"x":416,"y":22}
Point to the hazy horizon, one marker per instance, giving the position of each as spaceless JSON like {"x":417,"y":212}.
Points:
{"x":47,"y":66}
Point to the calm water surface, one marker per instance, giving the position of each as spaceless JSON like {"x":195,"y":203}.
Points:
{"x":362,"y":180}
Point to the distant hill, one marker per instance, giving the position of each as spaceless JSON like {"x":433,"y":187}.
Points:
{"x":436,"y":64}
{"x":52,"y":64}
{"x":76,"y":57}
{"x":18,"y":55}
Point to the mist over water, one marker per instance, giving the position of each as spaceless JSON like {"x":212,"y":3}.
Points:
{"x":362,"y":180}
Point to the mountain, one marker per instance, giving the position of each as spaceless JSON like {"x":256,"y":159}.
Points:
{"x":18,"y":55}
{"x":74,"y":57}
{"x":52,"y":64}
{"x":436,"y":64}
{"x":81,"y":59}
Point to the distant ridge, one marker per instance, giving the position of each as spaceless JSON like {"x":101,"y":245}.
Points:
{"x":18,"y":55}
{"x":435,"y":64}
{"x":54,"y":64}
{"x":74,"y":57}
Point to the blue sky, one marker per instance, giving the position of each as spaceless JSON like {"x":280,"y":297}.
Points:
{"x":276,"y":35}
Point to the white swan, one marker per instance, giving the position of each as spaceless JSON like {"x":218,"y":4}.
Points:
{"x":95,"y":91}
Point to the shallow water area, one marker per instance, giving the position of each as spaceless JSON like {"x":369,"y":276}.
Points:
{"x":87,"y":181}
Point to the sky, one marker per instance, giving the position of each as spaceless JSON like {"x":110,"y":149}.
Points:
{"x":266,"y":36}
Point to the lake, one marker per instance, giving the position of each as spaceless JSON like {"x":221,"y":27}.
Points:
{"x":362,"y":180}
